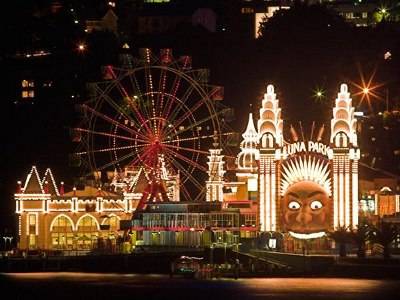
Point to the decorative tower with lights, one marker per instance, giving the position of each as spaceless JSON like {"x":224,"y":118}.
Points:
{"x":215,"y":182}
{"x":270,"y":133}
{"x":247,"y":165}
{"x":345,"y":158}
{"x":248,"y":156}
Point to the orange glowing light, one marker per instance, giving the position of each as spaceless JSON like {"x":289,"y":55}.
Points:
{"x":367,"y":90}
{"x":81,"y":47}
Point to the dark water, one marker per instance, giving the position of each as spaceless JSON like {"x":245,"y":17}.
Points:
{"x":135,"y":286}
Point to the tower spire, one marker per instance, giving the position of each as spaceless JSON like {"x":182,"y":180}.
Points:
{"x":345,"y":154}
{"x":270,"y":131}
{"x":248,"y":147}
{"x":270,"y":124}
{"x":215,"y":182}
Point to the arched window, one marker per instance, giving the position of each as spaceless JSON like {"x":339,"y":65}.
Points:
{"x":109,"y":232}
{"x":62,"y":235}
{"x":87,"y":232}
{"x":110,"y":226}
{"x":112,"y":221}
{"x":267,"y":141}
{"x":341,"y":140}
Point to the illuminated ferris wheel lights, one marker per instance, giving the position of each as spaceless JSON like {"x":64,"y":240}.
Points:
{"x":155,"y":113}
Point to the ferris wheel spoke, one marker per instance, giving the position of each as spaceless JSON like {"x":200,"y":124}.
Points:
{"x":197,"y":138}
{"x":120,"y":110}
{"x":109,"y":135}
{"x":192,"y":126}
{"x":140,"y":157}
{"x":141,"y":95}
{"x":111,"y":149}
{"x":200,"y":194}
{"x":185,"y":191}
{"x":115,"y":162}
{"x":189,"y":113}
{"x":174,"y":90}
{"x":142,"y":119}
{"x":160,"y":97}
{"x":136,"y":86}
{"x":181,"y":104}
{"x":161,"y":88}
{"x":184,"y":170}
{"x":150,"y":98}
{"x":131,"y":103}
{"x":187,"y":149}
{"x":112,"y":121}
{"x":187,"y":160}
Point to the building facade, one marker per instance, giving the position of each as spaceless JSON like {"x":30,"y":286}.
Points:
{"x":330,"y":171}
{"x":284,"y":186}
{"x":50,"y":219}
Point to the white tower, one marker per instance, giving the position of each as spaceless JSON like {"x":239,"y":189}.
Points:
{"x":345,"y":161}
{"x":248,"y":156}
{"x":216,"y":172}
{"x":270,"y":133}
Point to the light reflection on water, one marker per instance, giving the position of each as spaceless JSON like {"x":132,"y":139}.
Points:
{"x":179,"y":288}
{"x":77,"y":276}
{"x":316,"y":284}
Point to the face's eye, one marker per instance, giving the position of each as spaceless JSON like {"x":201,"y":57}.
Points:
{"x":316,"y":205}
{"x":294,"y":205}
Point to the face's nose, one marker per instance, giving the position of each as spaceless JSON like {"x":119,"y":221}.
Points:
{"x":304,"y":217}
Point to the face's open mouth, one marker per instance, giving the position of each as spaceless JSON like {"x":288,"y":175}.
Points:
{"x":306,"y":236}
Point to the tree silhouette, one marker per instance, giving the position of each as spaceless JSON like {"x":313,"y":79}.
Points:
{"x":341,"y":236}
{"x":360,"y":236}
{"x":384,"y":234}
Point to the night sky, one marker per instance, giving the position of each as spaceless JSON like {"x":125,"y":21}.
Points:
{"x":302,"y":50}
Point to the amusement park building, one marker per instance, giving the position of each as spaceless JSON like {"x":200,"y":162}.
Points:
{"x":300,"y":190}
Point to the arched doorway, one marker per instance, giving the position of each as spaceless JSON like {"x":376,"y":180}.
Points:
{"x":62,"y":233}
{"x":109,"y":233}
{"x":87,"y":232}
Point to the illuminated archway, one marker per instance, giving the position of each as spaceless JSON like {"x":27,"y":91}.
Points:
{"x":109,"y":232}
{"x":87,"y":232}
{"x":62,"y":232}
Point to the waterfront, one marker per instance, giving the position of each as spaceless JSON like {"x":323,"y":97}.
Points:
{"x":63,"y":285}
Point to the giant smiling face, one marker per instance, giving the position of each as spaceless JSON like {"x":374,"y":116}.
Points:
{"x":306,"y":209}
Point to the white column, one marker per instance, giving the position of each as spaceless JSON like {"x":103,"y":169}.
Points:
{"x":273,"y":200}
{"x":354,"y":182}
{"x":335,"y":200}
{"x":341,"y":198}
{"x":347,"y":199}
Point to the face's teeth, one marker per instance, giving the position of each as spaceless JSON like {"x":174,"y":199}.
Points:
{"x":306,"y":236}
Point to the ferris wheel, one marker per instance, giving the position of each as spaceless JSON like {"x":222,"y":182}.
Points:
{"x":158,"y":115}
